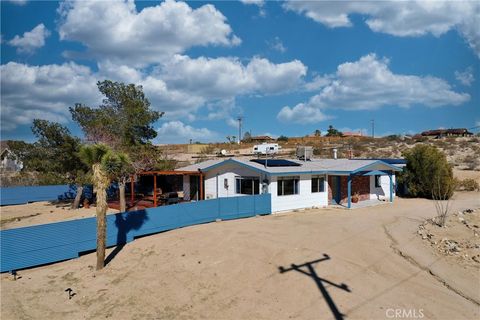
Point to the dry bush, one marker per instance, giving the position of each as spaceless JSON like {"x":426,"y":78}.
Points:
{"x":441,"y":196}
{"x":466,"y":185}
{"x":471,"y":162}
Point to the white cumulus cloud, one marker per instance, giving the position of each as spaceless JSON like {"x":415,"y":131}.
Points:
{"x":45,"y":92}
{"x":302,"y":113}
{"x":399,"y":18}
{"x":277,"y":44}
{"x":179,"y":132}
{"x":180,"y":87}
{"x":255,"y":2}
{"x":369,"y":84}
{"x":30,"y":40}
{"x":115,"y":29}
{"x":465,"y":77}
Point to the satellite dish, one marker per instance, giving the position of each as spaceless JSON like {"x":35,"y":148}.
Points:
{"x":223,"y":152}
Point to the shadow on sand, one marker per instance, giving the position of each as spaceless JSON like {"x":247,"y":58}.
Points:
{"x":126,"y":222}
{"x":308,"y":269}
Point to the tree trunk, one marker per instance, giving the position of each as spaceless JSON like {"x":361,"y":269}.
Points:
{"x":78,"y":196}
{"x":101,"y":182}
{"x":121,"y":189}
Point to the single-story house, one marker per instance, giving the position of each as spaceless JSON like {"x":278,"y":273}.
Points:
{"x":439,"y":133}
{"x":296,"y":184}
{"x":261,"y":139}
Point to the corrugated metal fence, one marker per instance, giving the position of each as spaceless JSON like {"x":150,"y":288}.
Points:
{"x":20,"y":195}
{"x":36,"y":245}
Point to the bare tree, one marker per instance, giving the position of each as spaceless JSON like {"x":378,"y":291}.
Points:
{"x":441,"y":195}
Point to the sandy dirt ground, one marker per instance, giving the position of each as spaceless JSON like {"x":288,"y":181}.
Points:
{"x":314,"y":264}
{"x":466,"y":174}
{"x":42,"y":212}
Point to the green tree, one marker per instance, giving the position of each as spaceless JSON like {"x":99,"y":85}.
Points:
{"x":427,"y":172}
{"x":247,"y":137}
{"x":124,"y":122}
{"x":124,"y":119}
{"x":332,"y":132}
{"x":55,"y":153}
{"x":106,"y":165}
{"x":282,"y":138}
{"x":317,"y":133}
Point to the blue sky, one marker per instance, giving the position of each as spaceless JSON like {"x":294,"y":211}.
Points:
{"x":288,"y":68}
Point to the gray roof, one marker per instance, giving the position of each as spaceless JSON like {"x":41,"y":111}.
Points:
{"x":339,"y":166}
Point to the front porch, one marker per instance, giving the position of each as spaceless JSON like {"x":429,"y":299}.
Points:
{"x":364,"y":184}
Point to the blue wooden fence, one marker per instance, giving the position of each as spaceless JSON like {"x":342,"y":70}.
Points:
{"x":36,"y":245}
{"x":20,"y":195}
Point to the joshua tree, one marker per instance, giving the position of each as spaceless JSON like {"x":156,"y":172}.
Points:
{"x":106,"y":165}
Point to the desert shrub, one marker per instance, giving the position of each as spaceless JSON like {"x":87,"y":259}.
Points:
{"x":282,"y":139}
{"x":427,"y":172}
{"x":466,"y":185}
{"x":471,"y":162}
{"x":420,"y":139}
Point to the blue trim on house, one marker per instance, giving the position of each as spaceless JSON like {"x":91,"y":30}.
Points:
{"x":373,"y":173}
{"x":349,"y":191}
{"x":394,"y":168}
{"x":225,"y":162}
{"x":387,"y":160}
{"x":330,"y":172}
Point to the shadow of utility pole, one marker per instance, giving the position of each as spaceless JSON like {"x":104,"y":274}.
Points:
{"x":320,"y":282}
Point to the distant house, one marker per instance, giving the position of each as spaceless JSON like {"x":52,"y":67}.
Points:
{"x":261,"y":139}
{"x":352,"y":134}
{"x":9,"y":161}
{"x":440,"y":133}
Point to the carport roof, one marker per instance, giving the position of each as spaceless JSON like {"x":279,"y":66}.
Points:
{"x":315,"y":166}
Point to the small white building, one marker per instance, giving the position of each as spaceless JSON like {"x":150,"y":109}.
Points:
{"x":295,"y":184}
{"x":8,"y":160}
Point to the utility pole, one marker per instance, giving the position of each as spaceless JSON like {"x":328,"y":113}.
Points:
{"x":373,"y":128}
{"x":239,"y":129}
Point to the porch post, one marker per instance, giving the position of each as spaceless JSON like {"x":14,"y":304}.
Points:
{"x":201,"y":186}
{"x":349,"y":191}
{"x":155,"y":190}
{"x":132,"y":190}
{"x":391,"y":185}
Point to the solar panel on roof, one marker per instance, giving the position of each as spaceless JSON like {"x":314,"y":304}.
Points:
{"x":276,"y":162}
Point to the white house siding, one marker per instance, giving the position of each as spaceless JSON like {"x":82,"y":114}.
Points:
{"x":305,"y":198}
{"x":228,"y":172}
{"x":384,"y":191}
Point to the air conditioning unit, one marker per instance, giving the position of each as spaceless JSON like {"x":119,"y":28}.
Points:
{"x":304,"y":153}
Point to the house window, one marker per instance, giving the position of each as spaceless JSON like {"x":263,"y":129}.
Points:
{"x":288,"y":186}
{"x":378,"y":183}
{"x":318,"y":184}
{"x":247,"y":185}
